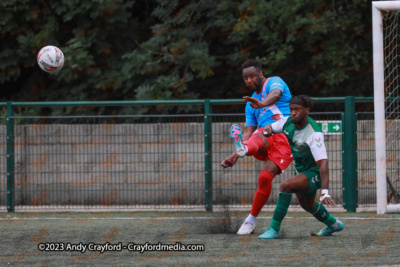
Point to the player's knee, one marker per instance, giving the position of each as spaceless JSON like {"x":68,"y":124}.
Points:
{"x":265,"y":177}
{"x":285,"y":187}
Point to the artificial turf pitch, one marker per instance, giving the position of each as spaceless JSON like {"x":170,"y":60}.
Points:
{"x":367,"y":239}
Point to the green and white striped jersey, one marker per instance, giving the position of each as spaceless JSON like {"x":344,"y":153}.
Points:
{"x":307,"y":144}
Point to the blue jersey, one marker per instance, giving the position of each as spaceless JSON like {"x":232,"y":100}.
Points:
{"x":270,"y":114}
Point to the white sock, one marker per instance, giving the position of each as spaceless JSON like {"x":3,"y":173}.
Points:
{"x":335,"y":225}
{"x":251,"y":219}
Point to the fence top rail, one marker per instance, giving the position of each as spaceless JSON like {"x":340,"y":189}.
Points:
{"x":316,"y":99}
{"x":108,"y":116}
{"x":311,"y":113}
{"x":110,"y":103}
{"x":165,"y":102}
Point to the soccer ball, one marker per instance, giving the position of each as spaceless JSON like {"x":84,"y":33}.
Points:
{"x":50,"y":59}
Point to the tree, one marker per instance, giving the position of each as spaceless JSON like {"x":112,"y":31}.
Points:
{"x":176,"y":49}
{"x":93,"y":35}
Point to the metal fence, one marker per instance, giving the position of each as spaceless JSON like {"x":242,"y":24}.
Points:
{"x":162,"y":161}
{"x":104,"y":161}
{"x":3,"y":163}
{"x":237,"y":185}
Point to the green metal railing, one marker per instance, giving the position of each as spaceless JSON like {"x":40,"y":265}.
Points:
{"x":208,"y":156}
{"x":159,"y":160}
{"x":350,"y":178}
{"x":10,"y":158}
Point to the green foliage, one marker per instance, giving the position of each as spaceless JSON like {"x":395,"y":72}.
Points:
{"x":154,"y":50}
{"x":321,"y":48}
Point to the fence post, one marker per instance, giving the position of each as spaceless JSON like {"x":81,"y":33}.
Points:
{"x":208,"y":155}
{"x":10,"y":158}
{"x":349,"y":156}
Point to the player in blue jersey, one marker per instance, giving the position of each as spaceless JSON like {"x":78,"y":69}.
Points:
{"x":311,"y":163}
{"x":267,"y":104}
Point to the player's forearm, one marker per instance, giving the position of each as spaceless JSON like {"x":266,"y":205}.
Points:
{"x":271,"y":98}
{"x":268,"y":101}
{"x":234,"y":155}
{"x":324,"y":174}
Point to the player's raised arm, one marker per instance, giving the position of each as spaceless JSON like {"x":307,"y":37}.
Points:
{"x":270,"y":99}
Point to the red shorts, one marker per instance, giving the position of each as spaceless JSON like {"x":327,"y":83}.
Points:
{"x":278,"y":151}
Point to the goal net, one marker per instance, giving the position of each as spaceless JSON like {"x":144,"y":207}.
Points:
{"x":386,"y":46}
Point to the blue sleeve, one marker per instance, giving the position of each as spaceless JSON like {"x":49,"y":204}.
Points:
{"x":286,"y":95}
{"x":277,"y":83}
{"x":250,"y":118}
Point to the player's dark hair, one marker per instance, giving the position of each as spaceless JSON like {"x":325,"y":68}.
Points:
{"x":252,"y":63}
{"x":303,"y":100}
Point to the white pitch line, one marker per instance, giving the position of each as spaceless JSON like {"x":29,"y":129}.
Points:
{"x":174,"y":218}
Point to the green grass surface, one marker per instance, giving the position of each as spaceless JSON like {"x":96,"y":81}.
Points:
{"x":366,"y":240}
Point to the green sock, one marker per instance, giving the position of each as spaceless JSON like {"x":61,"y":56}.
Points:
{"x":322,"y":215}
{"x":282,"y":206}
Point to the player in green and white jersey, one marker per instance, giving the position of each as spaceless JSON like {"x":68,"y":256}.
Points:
{"x":311,"y":163}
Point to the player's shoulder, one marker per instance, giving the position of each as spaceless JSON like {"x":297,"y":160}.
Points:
{"x":316,"y":127}
{"x":276,"y":81}
{"x":288,"y":122}
{"x":289,"y":127}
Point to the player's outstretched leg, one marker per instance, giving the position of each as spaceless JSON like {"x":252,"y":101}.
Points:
{"x":322,"y":215}
{"x":282,"y":206}
{"x":236,"y":135}
{"x":262,"y":194}
{"x":256,"y":144}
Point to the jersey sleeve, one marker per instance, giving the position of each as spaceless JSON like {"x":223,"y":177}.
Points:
{"x":317,"y":146}
{"x":277,"y":83}
{"x":251,"y":119}
{"x":277,"y":127}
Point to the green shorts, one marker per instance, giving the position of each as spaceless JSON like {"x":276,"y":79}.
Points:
{"x":314,"y":180}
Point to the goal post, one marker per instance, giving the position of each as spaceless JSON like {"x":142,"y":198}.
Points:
{"x":379,"y":64}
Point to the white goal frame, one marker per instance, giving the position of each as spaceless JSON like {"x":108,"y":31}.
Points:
{"x":379,"y":100}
